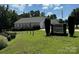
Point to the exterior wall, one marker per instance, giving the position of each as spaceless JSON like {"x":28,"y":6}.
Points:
{"x":25,"y":25}
{"x":42,"y":24}
{"x":20,"y":25}
{"x":29,"y":25}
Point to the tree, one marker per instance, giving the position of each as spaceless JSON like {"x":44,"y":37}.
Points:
{"x":7,"y":17}
{"x":66,"y":21}
{"x":61,"y":21}
{"x":24,"y":15}
{"x":47,"y":23}
{"x":71,"y":24}
{"x":32,"y":13}
{"x":75,"y":13}
{"x":42,"y":14}
{"x":13,"y":18}
{"x":53,"y":16}
{"x":3,"y":18}
{"x":37,"y":13}
{"x":27,"y":15}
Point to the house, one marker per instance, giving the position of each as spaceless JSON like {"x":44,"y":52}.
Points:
{"x":31,"y":22}
{"x":25,"y":23}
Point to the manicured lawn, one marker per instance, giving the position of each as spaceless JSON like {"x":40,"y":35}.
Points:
{"x":39,"y":43}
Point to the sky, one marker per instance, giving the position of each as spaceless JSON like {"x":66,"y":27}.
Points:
{"x":49,"y":9}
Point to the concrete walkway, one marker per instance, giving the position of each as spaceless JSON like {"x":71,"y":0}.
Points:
{"x":67,"y":29}
{"x":75,"y":29}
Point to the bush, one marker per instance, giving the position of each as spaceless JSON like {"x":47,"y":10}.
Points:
{"x":47,"y":23}
{"x":3,"y":42}
{"x":71,"y":25}
{"x":11,"y":36}
{"x":36,"y":27}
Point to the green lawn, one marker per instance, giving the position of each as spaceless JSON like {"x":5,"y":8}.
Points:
{"x":40,"y":44}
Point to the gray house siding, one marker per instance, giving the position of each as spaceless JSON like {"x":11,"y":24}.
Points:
{"x":25,"y":23}
{"x":21,"y":25}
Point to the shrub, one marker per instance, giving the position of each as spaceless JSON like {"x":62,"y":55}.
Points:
{"x":71,"y":24}
{"x":3,"y":42}
{"x":11,"y":36}
{"x":36,"y":27}
{"x":47,"y":23}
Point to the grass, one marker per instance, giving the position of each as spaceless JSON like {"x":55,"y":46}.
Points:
{"x":40,"y":44}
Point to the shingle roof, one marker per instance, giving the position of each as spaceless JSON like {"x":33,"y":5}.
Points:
{"x":35,"y":20}
{"x":32,"y":19}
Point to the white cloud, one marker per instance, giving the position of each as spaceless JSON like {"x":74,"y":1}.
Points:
{"x":61,"y":7}
{"x":29,"y":5}
{"x":58,"y":7}
{"x":46,"y":6}
{"x":18,"y":7}
{"x":49,"y":13}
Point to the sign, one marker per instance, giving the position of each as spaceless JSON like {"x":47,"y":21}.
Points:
{"x":58,"y":29}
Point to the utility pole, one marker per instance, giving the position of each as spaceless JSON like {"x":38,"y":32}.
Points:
{"x":62,"y":13}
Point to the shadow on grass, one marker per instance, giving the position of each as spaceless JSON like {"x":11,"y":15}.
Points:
{"x":55,"y":35}
{"x":75,"y":36}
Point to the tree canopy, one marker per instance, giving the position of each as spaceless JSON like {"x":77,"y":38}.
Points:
{"x":7,"y":17}
{"x":32,"y":13}
{"x":75,"y":13}
{"x":53,"y":16}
